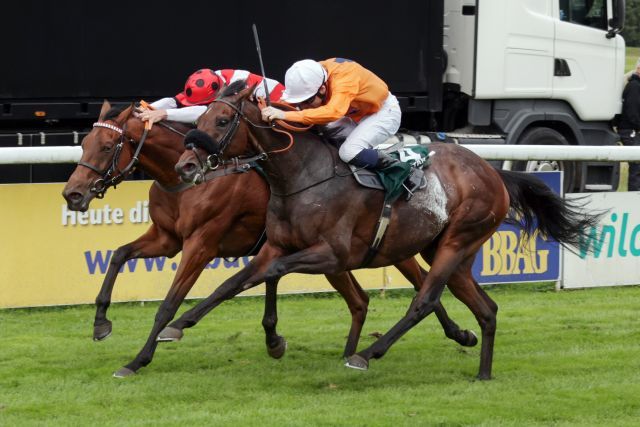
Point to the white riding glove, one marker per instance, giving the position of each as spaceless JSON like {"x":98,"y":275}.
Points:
{"x":272,"y":113}
{"x":153,"y":116}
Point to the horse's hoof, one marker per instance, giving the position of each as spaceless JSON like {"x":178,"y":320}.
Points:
{"x":123,"y":373}
{"x":170,"y":334}
{"x":357,"y":362}
{"x":484,"y":377}
{"x":472,"y":339}
{"x":279,"y":349}
{"x":102,"y":331}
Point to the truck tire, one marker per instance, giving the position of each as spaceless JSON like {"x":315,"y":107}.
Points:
{"x":548,"y":136}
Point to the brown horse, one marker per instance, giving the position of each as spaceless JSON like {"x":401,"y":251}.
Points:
{"x":321,"y":221}
{"x":222,"y":218}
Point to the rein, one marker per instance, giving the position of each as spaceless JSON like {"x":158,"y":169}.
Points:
{"x":334,"y":174}
{"x":243,"y":164}
{"x":236,"y":164}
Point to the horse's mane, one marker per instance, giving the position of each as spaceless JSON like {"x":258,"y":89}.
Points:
{"x":114,"y":112}
{"x":233,"y":88}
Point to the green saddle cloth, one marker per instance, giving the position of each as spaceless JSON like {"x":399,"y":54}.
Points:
{"x":393,"y":176}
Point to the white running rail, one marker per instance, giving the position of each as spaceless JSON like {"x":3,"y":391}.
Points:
{"x":609,"y":153}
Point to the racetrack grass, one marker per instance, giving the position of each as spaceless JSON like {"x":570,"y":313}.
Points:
{"x":561,"y":358}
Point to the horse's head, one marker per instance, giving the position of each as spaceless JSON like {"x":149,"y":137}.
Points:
{"x":105,"y":153}
{"x":222,"y":133}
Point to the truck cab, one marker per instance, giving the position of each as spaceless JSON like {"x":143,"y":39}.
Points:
{"x":538,"y":72}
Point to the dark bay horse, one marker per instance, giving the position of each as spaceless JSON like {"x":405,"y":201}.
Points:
{"x":320,"y":220}
{"x":221,"y":218}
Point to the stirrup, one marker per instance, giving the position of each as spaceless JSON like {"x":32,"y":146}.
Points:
{"x":413,"y":182}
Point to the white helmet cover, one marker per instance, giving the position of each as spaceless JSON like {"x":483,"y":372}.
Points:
{"x":302,"y":80}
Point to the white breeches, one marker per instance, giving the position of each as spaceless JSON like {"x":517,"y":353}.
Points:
{"x":371,"y":131}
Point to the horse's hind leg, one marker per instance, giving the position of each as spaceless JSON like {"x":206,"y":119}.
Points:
{"x":151,"y":244}
{"x":466,"y":289}
{"x":412,"y":271}
{"x":358,"y":302}
{"x":447,"y":259}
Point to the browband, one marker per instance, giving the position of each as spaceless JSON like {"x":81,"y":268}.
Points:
{"x":108,"y":126}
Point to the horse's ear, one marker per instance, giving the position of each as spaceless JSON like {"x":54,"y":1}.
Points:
{"x":247,"y":91}
{"x":126,"y":113}
{"x":105,"y":107}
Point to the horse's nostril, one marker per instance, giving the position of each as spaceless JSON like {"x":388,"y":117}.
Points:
{"x":74,"y":197}
{"x":186,"y":169}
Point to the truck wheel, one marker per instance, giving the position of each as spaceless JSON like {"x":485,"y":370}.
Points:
{"x":548,"y":136}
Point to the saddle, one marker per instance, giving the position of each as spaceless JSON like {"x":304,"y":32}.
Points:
{"x":408,"y":149}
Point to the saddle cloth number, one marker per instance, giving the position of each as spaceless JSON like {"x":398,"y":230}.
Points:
{"x":407,"y":155}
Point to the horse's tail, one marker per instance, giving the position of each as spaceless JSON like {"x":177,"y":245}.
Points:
{"x":534,"y":204}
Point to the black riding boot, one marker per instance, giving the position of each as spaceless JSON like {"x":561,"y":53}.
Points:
{"x":385,"y":160}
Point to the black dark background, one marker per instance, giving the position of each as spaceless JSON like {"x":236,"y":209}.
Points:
{"x":65,"y":57}
{"x":116,"y":49}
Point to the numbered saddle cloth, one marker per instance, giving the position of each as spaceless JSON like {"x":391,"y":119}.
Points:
{"x":391,"y":178}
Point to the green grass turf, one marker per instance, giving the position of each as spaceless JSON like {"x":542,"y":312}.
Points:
{"x":561,"y":358}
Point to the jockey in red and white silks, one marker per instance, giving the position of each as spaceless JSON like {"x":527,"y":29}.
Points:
{"x":200,"y":89}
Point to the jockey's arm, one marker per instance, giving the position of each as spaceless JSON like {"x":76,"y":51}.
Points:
{"x":336,"y":108}
{"x":167,"y":109}
{"x":165,"y":104}
{"x":186,"y":114}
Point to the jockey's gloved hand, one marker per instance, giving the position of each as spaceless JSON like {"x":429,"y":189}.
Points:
{"x":272,"y":113}
{"x":153,"y":116}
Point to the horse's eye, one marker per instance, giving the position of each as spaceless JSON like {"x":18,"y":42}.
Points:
{"x":106,"y":148}
{"x":222,"y":122}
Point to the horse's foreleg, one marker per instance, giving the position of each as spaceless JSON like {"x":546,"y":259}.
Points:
{"x":318,"y":259}
{"x":276,"y":345}
{"x":250,"y":276}
{"x":446,"y":261}
{"x":153,"y":243}
{"x":193,"y":261}
{"x":357,"y":300}
{"x":322,"y":259}
{"x":412,"y":271}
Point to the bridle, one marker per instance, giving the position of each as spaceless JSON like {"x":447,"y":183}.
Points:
{"x":214,"y":166}
{"x":112,"y":175}
{"x":210,"y":166}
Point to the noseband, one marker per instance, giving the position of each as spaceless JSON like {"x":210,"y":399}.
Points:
{"x":112,"y":175}
{"x":238,"y":164}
